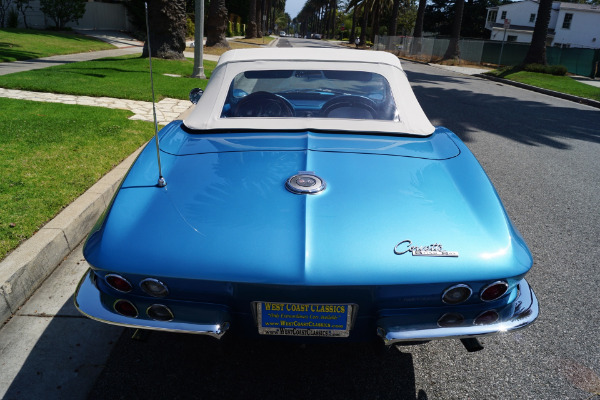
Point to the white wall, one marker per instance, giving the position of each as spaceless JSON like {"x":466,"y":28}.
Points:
{"x":98,"y":16}
{"x":518,"y":13}
{"x":585,"y":27}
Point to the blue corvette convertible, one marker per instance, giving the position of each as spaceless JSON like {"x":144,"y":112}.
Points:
{"x":307,"y":195}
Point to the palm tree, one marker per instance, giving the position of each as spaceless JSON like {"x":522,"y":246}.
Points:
{"x":167,"y":36}
{"x":537,"y":49}
{"x":216,"y":25}
{"x":251,"y":28}
{"x":394,"y":21}
{"x":418,"y":32}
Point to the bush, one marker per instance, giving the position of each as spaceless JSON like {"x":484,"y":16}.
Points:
{"x":558,"y":70}
{"x":190,"y":25}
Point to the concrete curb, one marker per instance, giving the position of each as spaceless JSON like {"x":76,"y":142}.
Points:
{"x":570,"y":97}
{"x":26,"y":268}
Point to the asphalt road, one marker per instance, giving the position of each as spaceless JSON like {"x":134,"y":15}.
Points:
{"x":542,"y":155}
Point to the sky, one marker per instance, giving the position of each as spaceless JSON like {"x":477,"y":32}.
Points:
{"x":293,"y":7}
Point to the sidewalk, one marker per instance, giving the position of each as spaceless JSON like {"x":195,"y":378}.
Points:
{"x":166,"y":110}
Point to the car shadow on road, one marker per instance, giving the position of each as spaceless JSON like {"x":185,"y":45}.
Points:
{"x":79,"y":358}
{"x":63,"y":362}
{"x":472,"y":113}
{"x":171,"y":365}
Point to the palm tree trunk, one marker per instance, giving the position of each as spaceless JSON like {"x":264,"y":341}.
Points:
{"x":167,"y":36}
{"x":216,"y":25}
{"x":418,"y":33}
{"x":259,"y":18}
{"x":353,"y":29}
{"x":375,"y":25}
{"x":251,"y":28}
{"x":363,"y":27}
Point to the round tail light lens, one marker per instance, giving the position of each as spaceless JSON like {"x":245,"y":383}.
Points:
{"x":450,"y":320}
{"x":154,"y":287}
{"x":119,"y":283}
{"x":456,"y":294}
{"x":486,"y":318}
{"x":494,"y":291}
{"x":126,"y":308}
{"x":159,"y":312}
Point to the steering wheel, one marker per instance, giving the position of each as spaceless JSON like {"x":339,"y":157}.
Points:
{"x":349,"y":106}
{"x":263,"y":104}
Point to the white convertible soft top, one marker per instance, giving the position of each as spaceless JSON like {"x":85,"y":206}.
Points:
{"x":207,"y":113}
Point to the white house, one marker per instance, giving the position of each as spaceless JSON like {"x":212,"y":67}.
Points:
{"x":578,"y":26}
{"x":571,"y":24}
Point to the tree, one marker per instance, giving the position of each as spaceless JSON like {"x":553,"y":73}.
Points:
{"x":22,"y":7}
{"x":537,"y":49}
{"x":394,"y":21}
{"x":216,"y":26}
{"x":251,"y":27}
{"x":453,"y":51}
{"x":420,"y":16}
{"x":63,"y":11}
{"x":168,"y":28}
{"x":4,"y":4}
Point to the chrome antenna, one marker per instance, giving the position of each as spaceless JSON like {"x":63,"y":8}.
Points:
{"x":161,"y":181}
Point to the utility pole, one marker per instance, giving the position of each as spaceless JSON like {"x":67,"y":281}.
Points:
{"x":199,"y":41}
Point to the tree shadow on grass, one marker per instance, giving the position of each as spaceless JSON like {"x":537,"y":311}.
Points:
{"x":13,"y":52}
{"x":532,"y":122}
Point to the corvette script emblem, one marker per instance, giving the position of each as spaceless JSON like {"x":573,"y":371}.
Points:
{"x":433,"y":250}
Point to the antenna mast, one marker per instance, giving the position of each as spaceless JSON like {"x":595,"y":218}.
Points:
{"x":161,"y":181}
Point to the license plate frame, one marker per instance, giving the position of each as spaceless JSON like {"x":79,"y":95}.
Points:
{"x":304,"y":319}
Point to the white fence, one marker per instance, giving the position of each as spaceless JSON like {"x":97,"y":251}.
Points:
{"x":98,"y":16}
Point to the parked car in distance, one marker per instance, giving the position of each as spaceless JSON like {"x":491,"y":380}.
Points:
{"x":316,"y":36}
{"x":282,"y":34}
{"x":308,"y":197}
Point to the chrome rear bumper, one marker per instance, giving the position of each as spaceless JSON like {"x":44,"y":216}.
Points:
{"x":394,"y":329}
{"x":208,"y":319}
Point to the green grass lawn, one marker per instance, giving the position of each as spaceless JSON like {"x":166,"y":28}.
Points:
{"x":25,"y":44}
{"x":563,"y":84}
{"x":125,"y":77}
{"x":50,"y":154}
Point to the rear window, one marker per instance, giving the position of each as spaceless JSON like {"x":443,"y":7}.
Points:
{"x":309,"y":93}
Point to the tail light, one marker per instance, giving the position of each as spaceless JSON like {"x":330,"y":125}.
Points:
{"x":126,"y":308}
{"x":154,"y":287}
{"x":159,"y":312}
{"x":119,"y":283}
{"x":449,"y":320}
{"x":486,"y":318}
{"x":494,"y":291}
{"x":456,"y":294}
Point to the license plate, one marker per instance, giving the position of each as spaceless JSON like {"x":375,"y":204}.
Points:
{"x":293,"y":319}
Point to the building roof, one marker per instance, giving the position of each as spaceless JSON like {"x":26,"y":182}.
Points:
{"x":580,"y":7}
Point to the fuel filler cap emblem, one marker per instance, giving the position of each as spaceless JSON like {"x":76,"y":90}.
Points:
{"x":305,"y":182}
